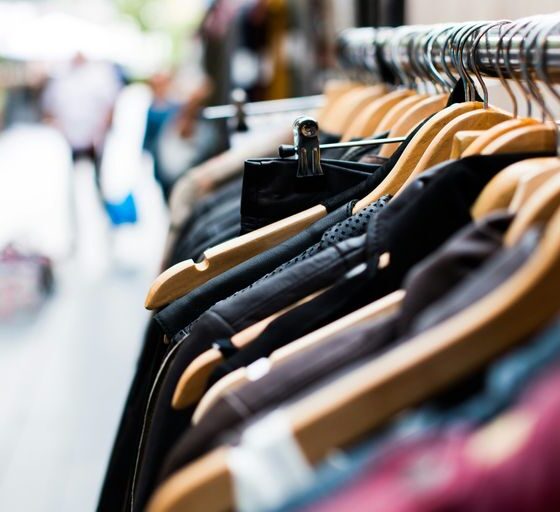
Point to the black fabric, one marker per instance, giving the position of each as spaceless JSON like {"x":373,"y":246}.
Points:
{"x":177,"y":316}
{"x":119,"y":470}
{"x":351,"y":227}
{"x":160,"y":431}
{"x":271,"y":188}
{"x":224,"y":216}
{"x":434,"y":207}
{"x":259,"y":202}
{"x":477,"y":286}
{"x":229,"y":190}
{"x":297,"y":374}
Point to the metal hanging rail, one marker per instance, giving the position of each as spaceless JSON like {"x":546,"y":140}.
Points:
{"x":404,"y":48}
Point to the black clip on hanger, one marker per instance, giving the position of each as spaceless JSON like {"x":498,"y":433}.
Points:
{"x":307,"y":149}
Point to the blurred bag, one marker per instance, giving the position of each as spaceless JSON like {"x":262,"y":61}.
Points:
{"x":124,"y":212}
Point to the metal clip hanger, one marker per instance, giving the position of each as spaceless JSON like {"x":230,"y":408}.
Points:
{"x":306,"y":147}
{"x":307,"y":150}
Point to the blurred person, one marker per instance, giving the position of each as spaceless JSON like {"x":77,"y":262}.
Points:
{"x":162,"y":108}
{"x":79,"y":102}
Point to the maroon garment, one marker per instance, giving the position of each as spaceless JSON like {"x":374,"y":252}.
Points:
{"x":511,"y":464}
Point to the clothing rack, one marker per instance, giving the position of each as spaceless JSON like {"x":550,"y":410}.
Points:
{"x":406,"y":48}
{"x":259,"y":108}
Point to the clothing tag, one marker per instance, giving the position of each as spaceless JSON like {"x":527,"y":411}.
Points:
{"x":268,"y":466}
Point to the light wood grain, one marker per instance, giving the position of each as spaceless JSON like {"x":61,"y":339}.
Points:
{"x":413,"y":117}
{"x":188,"y":275}
{"x":367,"y":120}
{"x":414,"y":152}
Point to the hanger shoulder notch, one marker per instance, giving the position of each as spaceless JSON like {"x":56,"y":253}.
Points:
{"x":184,"y":277}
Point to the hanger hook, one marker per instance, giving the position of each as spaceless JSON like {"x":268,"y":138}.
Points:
{"x":526,"y":47}
{"x":513,"y":30}
{"x":466,"y":66}
{"x":474,"y":50}
{"x":448,"y":34}
{"x":419,"y":76}
{"x":541,"y":66}
{"x":462,"y":37}
{"x":428,"y":57}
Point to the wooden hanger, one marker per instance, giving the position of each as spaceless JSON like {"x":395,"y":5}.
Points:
{"x":415,"y":150}
{"x":366,"y":121}
{"x":462,"y":141}
{"x":412,"y":119}
{"x":184,"y":277}
{"x":541,"y":205}
{"x":532,"y":138}
{"x":193,"y":382}
{"x":349,"y":105}
{"x":513,"y":186}
{"x":237,"y":378}
{"x":396,"y":113}
{"x":346,"y":409}
{"x":493,"y":133}
{"x":500,"y":190}
{"x":511,"y":189}
{"x":439,"y":149}
{"x":333,"y":90}
{"x":530,"y":183}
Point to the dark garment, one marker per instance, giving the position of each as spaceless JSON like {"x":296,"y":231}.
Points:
{"x":351,"y":227}
{"x":119,"y":470}
{"x":271,"y":188}
{"x":297,"y":374}
{"x":182,"y":249}
{"x":409,"y":228}
{"x":426,"y":282}
{"x":231,"y":316}
{"x":177,"y":316}
{"x":223,"y":216}
{"x":175,"y":319}
{"x":268,"y":193}
{"x":160,"y":423}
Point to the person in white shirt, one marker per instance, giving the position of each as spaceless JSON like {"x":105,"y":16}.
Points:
{"x":79,"y":102}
